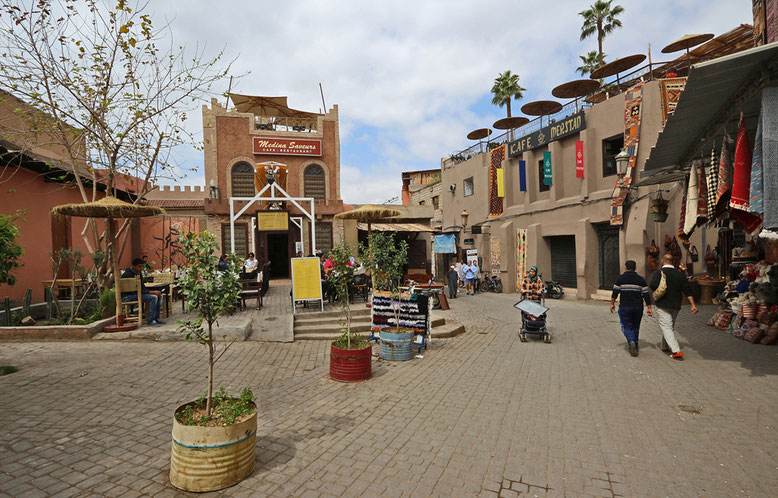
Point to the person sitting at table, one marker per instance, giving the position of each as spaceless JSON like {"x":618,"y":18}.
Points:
{"x":251,"y":264}
{"x":222,"y":264}
{"x":153,"y":298}
{"x":328,"y":265}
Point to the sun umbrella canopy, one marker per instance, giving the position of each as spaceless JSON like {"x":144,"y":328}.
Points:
{"x":479,"y":133}
{"x":368,"y":213}
{"x":541,"y":107}
{"x":107,"y":207}
{"x":617,"y":66}
{"x":687,"y":42}
{"x":509,"y":123}
{"x":574,"y":89}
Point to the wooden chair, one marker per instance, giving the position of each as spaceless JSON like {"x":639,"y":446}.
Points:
{"x":251,"y":290}
{"x":131,"y":285}
{"x":169,"y":279}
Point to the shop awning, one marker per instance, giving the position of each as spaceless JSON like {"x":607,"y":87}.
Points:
{"x":397,"y":227}
{"x":716,"y":91}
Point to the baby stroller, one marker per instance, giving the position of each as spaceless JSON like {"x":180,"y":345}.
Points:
{"x":537,"y":326}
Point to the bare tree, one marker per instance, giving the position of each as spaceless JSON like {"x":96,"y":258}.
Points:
{"x":103,"y":88}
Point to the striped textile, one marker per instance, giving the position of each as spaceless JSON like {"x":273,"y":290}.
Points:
{"x":713,"y":185}
{"x":702,"y":202}
{"x":770,"y":156}
{"x":741,"y":176}
{"x":632,"y":118}
{"x":495,"y":201}
{"x":756,"y":204}
{"x":725,"y":178}
{"x":692,"y":202}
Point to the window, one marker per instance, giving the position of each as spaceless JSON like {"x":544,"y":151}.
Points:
{"x":421,"y":203}
{"x":241,"y":239}
{"x":242,"y":180}
{"x":313,"y":182}
{"x":467,"y":186}
{"x":324,"y":236}
{"x":610,"y":149}
{"x":436,"y":202}
{"x":542,"y":187}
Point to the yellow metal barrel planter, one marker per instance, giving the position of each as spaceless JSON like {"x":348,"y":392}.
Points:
{"x":211,"y":458}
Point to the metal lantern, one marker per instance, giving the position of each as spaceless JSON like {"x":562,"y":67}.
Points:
{"x":622,"y":162}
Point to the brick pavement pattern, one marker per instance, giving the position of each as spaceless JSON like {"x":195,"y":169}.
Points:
{"x":480,"y":414}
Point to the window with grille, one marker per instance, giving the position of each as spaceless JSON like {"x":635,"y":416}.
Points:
{"x":324,"y":236}
{"x":241,"y":239}
{"x":313,"y":182}
{"x":467,"y":186}
{"x":243,"y":180}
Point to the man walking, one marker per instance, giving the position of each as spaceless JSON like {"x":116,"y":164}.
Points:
{"x":633,"y":290}
{"x":469,"y":278}
{"x":453,"y":281}
{"x":668,"y":306}
{"x":153,"y":298}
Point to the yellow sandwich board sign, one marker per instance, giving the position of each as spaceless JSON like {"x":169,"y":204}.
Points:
{"x":306,"y":281}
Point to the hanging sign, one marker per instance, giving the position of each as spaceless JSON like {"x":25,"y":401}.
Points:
{"x":547,"y":168}
{"x":500,"y":182}
{"x":554,"y":131}
{"x":523,"y":176}
{"x":272,"y":220}
{"x":306,"y":280}
{"x":579,"y":159}
{"x":286,"y":146}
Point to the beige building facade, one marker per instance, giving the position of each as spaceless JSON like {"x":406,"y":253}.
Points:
{"x":569,"y":235}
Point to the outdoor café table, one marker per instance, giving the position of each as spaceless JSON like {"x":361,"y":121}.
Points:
{"x":65,"y":284}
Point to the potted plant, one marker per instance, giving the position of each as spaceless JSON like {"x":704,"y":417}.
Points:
{"x":389,"y":259}
{"x":214,"y":436}
{"x":351,"y":357}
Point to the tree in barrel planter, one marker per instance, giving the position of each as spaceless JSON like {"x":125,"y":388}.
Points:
{"x":389,"y":260}
{"x":350,"y":356}
{"x":215,"y":432}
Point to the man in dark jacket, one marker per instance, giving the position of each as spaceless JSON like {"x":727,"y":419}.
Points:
{"x":153,"y":298}
{"x":668,"y":306}
{"x":634,"y":291}
{"x":453,"y":281}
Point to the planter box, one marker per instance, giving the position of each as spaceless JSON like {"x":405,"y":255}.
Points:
{"x":36,"y":333}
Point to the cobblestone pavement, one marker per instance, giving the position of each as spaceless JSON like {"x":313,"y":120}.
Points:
{"x":480,"y":414}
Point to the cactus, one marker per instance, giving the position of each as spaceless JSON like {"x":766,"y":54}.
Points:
{"x":26,"y":303}
{"x":47,"y":297}
{"x":7,"y":316}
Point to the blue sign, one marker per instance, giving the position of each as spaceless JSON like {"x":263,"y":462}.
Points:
{"x":445,"y":244}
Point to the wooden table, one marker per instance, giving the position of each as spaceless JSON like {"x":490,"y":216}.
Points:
{"x":63,"y":284}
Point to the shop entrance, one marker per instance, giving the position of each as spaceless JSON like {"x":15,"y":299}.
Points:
{"x":278,"y":254}
{"x":563,"y":260}
{"x":610,"y":269}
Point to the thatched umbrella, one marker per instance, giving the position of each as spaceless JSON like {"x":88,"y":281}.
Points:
{"x":368,"y":214}
{"x":110,"y":208}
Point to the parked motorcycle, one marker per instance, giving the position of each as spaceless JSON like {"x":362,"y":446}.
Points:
{"x":493,"y":284}
{"x":554,"y":290}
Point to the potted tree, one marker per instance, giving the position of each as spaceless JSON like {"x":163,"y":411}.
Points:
{"x":388,"y":260}
{"x":351,"y":357}
{"x":214,"y":436}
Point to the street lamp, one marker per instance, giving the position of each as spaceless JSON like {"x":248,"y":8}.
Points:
{"x":464,"y":216}
{"x":622,"y":162}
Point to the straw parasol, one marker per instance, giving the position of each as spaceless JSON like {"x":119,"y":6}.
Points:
{"x":616,"y":67}
{"x":109,"y":207}
{"x":541,"y":108}
{"x":510,"y":123}
{"x":686,"y":42}
{"x":368,"y":214}
{"x":479,"y":133}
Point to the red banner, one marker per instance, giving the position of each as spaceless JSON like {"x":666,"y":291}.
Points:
{"x":579,"y":156}
{"x":286,"y":146}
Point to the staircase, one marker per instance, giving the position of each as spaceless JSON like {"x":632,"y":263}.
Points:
{"x":328,"y":325}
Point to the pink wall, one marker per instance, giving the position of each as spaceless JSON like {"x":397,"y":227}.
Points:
{"x":25,"y":189}
{"x":159,"y":238}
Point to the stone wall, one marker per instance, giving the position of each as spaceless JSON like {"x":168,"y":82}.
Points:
{"x":424,"y":196}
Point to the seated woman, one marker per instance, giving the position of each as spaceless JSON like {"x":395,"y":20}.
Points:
{"x":251,"y":265}
{"x":532,"y":287}
{"x":222,"y":264}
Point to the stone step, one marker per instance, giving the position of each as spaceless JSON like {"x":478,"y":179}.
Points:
{"x":330,"y":328}
{"x":440,"y":329}
{"x":355,"y":312}
{"x":309,"y":320}
{"x":168,"y":333}
{"x":601,"y":295}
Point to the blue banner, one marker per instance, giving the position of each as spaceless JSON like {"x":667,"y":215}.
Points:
{"x":445,"y":244}
{"x":523,"y":176}
{"x":547,"y":168}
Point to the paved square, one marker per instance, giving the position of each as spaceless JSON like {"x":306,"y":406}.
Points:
{"x":480,"y":414}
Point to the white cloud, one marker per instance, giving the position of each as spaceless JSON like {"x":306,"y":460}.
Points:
{"x":415,"y":72}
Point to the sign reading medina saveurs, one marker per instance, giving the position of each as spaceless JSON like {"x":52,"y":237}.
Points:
{"x":554,"y":131}
{"x":286,"y":146}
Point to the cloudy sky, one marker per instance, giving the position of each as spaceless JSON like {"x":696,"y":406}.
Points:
{"x":411,"y":78}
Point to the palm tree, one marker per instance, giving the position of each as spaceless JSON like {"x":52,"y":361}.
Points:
{"x":506,"y":86}
{"x":600,"y":18}
{"x":589,"y":62}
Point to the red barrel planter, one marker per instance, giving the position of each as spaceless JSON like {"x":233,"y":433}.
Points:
{"x":351,"y":365}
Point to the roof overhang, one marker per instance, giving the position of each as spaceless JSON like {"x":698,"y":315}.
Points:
{"x":397,"y":227}
{"x":715,"y":94}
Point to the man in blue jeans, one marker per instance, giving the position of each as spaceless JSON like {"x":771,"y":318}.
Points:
{"x":634,"y":291}
{"x":153,"y":298}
